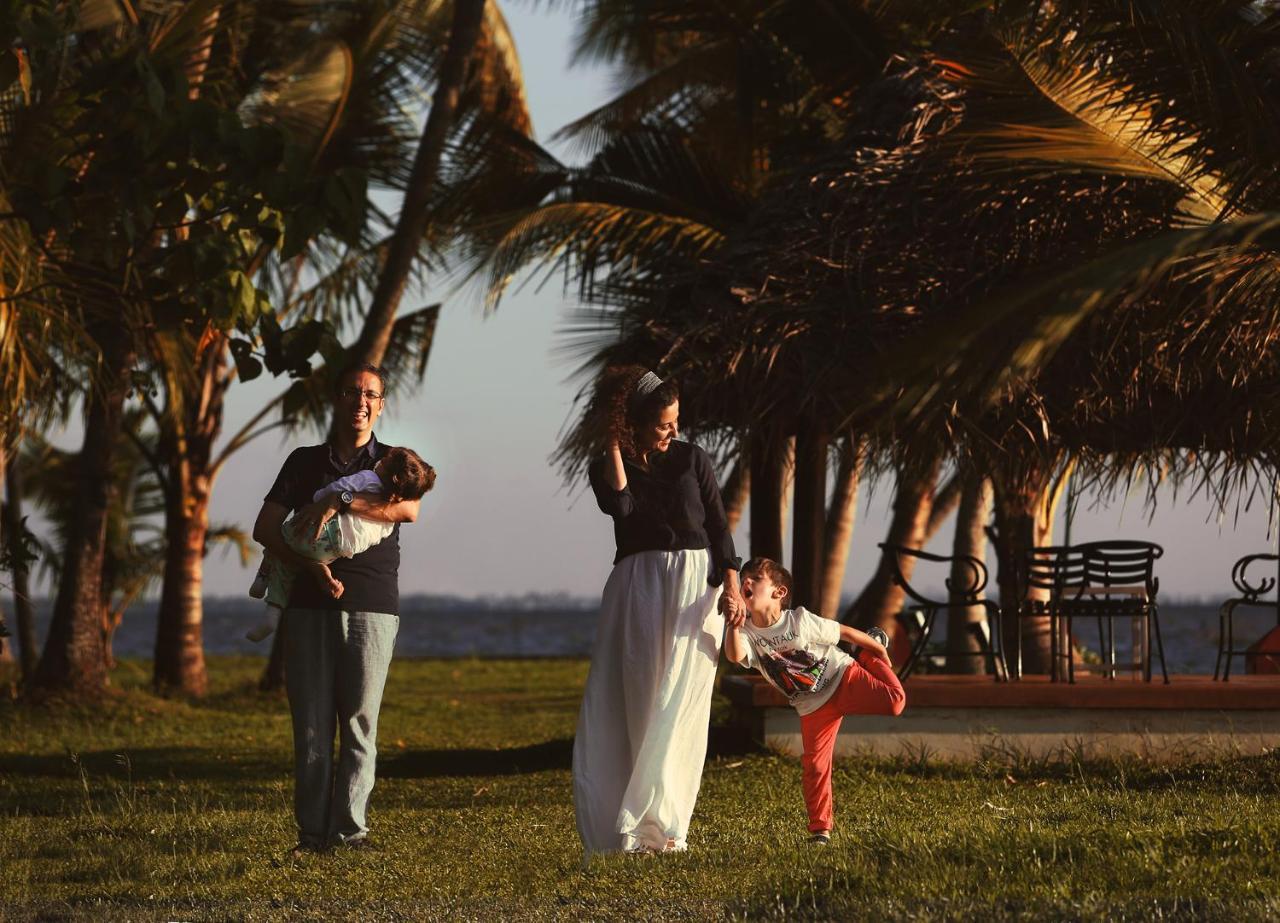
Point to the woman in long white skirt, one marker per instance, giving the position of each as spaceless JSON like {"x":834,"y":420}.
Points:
{"x":642,"y":731}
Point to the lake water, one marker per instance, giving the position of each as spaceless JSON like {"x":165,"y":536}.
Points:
{"x":449,"y":627}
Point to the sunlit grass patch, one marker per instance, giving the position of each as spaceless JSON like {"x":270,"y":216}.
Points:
{"x":148,"y":808}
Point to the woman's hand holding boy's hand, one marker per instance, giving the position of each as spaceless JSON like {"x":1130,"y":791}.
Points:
{"x":733,"y":608}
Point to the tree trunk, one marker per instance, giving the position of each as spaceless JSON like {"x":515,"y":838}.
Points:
{"x":963,"y":624}
{"x":768,"y":475}
{"x":1025,"y":504}
{"x":23,"y":611}
{"x":788,"y":482}
{"x":74,"y":656}
{"x":945,"y":502}
{"x":736,"y":490}
{"x":6,"y":646}
{"x":179,"y":652}
{"x":810,"y":515}
{"x":406,"y":240}
{"x":881,"y":599}
{"x":839,"y":525}
{"x":188,"y":452}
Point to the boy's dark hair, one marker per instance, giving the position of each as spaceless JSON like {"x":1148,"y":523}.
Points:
{"x":406,"y":475}
{"x":356,"y":368}
{"x":767,"y":567}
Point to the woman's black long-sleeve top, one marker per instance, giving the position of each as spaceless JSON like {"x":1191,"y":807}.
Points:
{"x":673,"y":505}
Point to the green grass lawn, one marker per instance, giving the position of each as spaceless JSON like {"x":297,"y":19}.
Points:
{"x":147,"y":809}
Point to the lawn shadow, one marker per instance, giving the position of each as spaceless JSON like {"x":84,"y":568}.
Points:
{"x":539,"y":757}
{"x":446,"y":763}
{"x":149,"y":764}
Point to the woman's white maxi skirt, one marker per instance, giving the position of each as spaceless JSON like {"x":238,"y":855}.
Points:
{"x":642,"y":730}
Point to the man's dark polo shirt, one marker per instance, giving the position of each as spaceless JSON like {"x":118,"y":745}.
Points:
{"x":370,"y":578}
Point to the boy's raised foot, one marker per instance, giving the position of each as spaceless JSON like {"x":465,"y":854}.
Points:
{"x":821,"y":838}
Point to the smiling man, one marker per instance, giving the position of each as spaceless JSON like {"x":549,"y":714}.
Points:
{"x":337,"y":647}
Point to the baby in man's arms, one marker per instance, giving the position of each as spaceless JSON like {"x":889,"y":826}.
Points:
{"x":399,"y":475}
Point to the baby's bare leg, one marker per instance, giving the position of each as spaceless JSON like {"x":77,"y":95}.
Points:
{"x":331,"y":583}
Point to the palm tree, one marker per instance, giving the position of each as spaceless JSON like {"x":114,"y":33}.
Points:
{"x":1069,"y":147}
{"x":722,"y":102}
{"x":131,"y":255}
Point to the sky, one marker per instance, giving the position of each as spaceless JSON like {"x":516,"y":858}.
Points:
{"x":495,"y":402}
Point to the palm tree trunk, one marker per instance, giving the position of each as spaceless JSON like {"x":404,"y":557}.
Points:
{"x":179,"y":654}
{"x":6,"y":649}
{"x":839,"y":525}
{"x":971,"y":539}
{"x":810,"y":516}
{"x":945,"y":502}
{"x":23,"y":611}
{"x":74,"y":654}
{"x":736,"y":490}
{"x":881,"y":599}
{"x":405,"y":242}
{"x":768,"y":476}
{"x":788,"y":483}
{"x":1025,"y":504}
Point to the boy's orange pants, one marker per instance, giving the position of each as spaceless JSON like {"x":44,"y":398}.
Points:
{"x":868,"y":687}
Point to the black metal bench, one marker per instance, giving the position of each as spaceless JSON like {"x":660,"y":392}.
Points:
{"x":959,"y":597}
{"x":1103,"y":580}
{"x":1250,"y":595}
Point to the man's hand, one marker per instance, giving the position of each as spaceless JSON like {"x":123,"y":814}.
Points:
{"x":331,"y":584}
{"x":311,"y":519}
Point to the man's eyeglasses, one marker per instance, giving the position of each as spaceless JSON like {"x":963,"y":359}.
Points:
{"x":353,"y":394}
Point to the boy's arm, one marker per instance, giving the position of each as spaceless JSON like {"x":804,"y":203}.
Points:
{"x":735,"y":645}
{"x":865,"y":641}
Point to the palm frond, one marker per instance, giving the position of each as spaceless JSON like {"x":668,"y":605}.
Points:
{"x":980,"y":350}
{"x":585,"y":239}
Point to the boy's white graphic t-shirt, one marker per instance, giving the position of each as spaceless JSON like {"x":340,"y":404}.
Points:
{"x":798,"y":656}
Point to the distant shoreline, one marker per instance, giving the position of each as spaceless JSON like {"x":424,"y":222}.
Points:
{"x":540,"y":626}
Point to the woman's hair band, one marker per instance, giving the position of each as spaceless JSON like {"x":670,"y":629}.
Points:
{"x":647,"y":384}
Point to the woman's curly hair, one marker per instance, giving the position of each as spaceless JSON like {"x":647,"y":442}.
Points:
{"x":616,"y":411}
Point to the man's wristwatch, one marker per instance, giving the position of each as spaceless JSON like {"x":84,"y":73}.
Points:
{"x":345,"y":498}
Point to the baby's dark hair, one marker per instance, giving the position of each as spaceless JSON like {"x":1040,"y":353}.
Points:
{"x":617,"y":410}
{"x":406,"y":475}
{"x":767,"y":567}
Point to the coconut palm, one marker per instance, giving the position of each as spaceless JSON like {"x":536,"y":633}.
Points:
{"x":722,"y":102}
{"x":141,"y":195}
{"x":1035,"y":197}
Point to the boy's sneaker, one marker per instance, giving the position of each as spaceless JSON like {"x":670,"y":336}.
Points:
{"x":258,"y":588}
{"x":821,"y":839}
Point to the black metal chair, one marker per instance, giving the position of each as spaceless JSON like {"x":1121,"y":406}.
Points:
{"x":1105,"y":581}
{"x":1058,"y":571}
{"x":1122,"y":584}
{"x":1250,"y":595}
{"x":966,"y":596}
